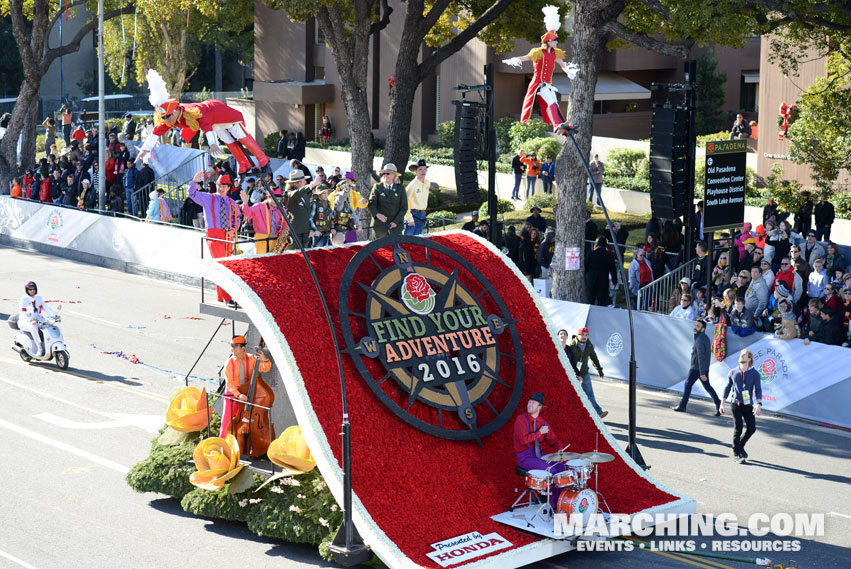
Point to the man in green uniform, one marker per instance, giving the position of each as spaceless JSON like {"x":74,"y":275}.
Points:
{"x":388,"y":203}
{"x":298,"y":206}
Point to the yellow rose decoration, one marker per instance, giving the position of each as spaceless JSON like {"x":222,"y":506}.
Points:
{"x":188,"y":411}
{"x":217,"y":461}
{"x":290,"y":451}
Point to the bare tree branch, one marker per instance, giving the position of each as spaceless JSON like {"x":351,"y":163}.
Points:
{"x":430,"y":63}
{"x":382,"y":23}
{"x":428,"y":21}
{"x":678,"y":49}
{"x":74,"y":45}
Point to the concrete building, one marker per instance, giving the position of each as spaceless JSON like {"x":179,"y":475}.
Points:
{"x":296,"y":81}
{"x":779,"y":89}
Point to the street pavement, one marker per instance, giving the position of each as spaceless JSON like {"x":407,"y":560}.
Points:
{"x":68,"y":439}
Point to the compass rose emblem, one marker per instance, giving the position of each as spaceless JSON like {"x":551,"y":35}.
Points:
{"x":431,"y":337}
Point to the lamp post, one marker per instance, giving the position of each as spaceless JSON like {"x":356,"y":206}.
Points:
{"x":632,"y":446}
{"x":347,"y":547}
{"x":101,"y":120}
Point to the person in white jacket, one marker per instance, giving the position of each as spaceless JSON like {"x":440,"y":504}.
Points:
{"x":33,"y":312}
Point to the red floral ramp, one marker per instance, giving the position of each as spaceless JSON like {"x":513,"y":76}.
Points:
{"x":413,"y":489}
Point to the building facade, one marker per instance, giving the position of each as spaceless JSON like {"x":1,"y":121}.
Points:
{"x":296,"y":81}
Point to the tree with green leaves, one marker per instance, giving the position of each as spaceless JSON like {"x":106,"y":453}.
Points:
{"x":168,"y":38}
{"x":710,"y":88}
{"x":819,"y":135}
{"x":443,"y":25}
{"x":670,"y":27}
{"x":32,"y":23}
{"x":348,"y":27}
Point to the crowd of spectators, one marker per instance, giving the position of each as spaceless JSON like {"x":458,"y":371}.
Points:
{"x":780,"y":277}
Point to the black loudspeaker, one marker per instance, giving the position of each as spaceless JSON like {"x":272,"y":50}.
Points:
{"x":668,"y":155}
{"x":468,"y":139}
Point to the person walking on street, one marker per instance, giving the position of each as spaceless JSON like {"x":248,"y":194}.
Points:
{"x":701,"y":354}
{"x":744,"y":388}
{"x":583,"y":350}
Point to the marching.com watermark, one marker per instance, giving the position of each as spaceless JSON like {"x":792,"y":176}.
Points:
{"x":695,"y":525}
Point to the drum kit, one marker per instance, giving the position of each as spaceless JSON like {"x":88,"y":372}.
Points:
{"x":575,"y":496}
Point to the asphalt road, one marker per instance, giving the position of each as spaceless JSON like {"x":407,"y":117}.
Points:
{"x":68,"y":438}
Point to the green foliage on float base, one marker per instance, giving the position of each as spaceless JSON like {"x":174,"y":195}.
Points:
{"x":298,"y":509}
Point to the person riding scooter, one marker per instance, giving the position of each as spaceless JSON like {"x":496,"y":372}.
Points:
{"x":33,"y":312}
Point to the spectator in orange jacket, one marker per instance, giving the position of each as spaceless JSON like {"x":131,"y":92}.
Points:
{"x":16,"y":189}
{"x":533,"y":168}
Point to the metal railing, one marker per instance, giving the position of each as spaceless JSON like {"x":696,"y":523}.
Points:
{"x":654,"y":297}
{"x":173,"y":183}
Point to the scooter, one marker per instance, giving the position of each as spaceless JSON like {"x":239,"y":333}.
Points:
{"x":54,"y":342}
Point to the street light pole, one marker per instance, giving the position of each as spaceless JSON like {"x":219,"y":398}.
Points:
{"x":101,"y":121}
{"x":632,"y":446}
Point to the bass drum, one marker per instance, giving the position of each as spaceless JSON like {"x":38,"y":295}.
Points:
{"x":582,"y":502}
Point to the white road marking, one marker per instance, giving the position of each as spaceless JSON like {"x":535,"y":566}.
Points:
{"x":838,"y":514}
{"x":14,"y":559}
{"x":150,"y":423}
{"x":96,"y":319}
{"x":63,"y":446}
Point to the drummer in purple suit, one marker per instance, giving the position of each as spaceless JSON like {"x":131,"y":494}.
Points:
{"x":530,"y":431}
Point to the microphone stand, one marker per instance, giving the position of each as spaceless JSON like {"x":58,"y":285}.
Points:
{"x":632,"y":446}
{"x":347,"y":547}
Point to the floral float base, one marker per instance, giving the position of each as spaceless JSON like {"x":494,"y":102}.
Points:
{"x":412,"y":489}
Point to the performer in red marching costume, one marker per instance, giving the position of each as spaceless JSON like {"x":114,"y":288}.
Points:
{"x":544,"y":60}
{"x":214,"y":118}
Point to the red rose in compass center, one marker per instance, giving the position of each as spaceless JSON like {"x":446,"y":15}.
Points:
{"x":417,"y":287}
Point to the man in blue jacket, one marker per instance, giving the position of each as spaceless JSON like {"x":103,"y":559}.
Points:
{"x":745,"y":385}
{"x":701,"y":353}
{"x":548,"y":172}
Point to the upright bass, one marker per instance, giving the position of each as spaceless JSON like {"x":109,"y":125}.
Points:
{"x":251,"y":424}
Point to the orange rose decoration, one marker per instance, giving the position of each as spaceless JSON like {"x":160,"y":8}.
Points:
{"x":290,"y":451}
{"x":217,"y":461}
{"x":188,"y":411}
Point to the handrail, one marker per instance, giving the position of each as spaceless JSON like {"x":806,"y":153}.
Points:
{"x":654,"y":296}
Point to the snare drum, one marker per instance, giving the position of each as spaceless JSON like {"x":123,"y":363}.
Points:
{"x":538,"y":480}
{"x":565,"y":479}
{"x":582,"y":470}
{"x":579,"y":502}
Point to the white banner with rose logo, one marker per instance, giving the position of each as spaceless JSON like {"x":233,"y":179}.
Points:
{"x":812,"y":382}
{"x":809,"y":381}
{"x":162,"y":247}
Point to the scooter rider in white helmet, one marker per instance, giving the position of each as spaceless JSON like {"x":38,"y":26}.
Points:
{"x":33,"y":312}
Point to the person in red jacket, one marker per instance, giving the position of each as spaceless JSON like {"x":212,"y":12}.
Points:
{"x":46,"y":193}
{"x":214,"y":118}
{"x":531,"y":431}
{"x":544,"y":60}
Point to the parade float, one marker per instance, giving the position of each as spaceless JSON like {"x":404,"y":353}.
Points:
{"x":443,"y":342}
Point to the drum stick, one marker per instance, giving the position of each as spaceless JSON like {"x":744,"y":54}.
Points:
{"x":565,"y":448}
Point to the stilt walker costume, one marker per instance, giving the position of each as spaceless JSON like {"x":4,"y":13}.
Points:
{"x":216,"y":119}
{"x":544,"y":59}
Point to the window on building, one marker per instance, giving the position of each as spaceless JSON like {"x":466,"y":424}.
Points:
{"x":318,"y":73}
{"x":436,"y":101}
{"x":749,"y":91}
{"x":318,"y":36}
{"x":318,"y":111}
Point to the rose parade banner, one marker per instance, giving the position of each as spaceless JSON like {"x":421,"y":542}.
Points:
{"x":160,"y":247}
{"x":812,"y":381}
{"x":443,"y":343}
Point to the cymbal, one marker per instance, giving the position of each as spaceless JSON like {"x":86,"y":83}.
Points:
{"x":597,"y":457}
{"x":561,"y":456}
